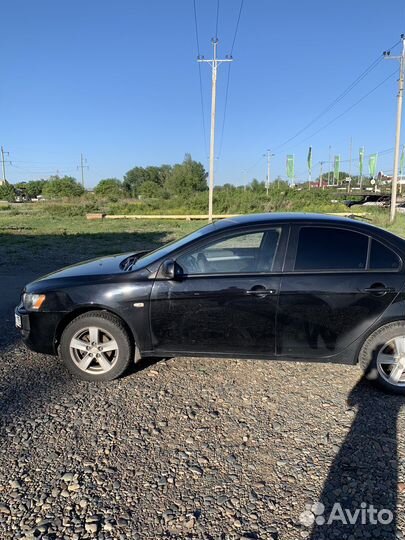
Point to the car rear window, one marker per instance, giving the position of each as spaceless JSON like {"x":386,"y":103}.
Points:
{"x":327,"y":248}
{"x":382,"y":257}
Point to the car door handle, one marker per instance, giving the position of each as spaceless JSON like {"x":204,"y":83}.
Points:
{"x":259,"y":291}
{"x":379,"y":290}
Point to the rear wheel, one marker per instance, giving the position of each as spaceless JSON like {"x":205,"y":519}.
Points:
{"x":96,"y":347}
{"x":382,"y":357}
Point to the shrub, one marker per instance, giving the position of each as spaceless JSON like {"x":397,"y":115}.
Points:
{"x":57,"y":188}
{"x":7,"y":192}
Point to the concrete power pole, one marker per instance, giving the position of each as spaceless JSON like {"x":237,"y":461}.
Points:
{"x":330,"y":165}
{"x":214,"y":62}
{"x":394,"y":182}
{"x":269,"y":156}
{"x":3,"y":164}
{"x":321,"y":174}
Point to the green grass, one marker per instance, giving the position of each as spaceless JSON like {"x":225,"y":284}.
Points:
{"x":37,"y":238}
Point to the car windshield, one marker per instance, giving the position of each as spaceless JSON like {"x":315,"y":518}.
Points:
{"x":157,"y":254}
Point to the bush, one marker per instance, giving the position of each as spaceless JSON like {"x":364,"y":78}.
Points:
{"x":7,"y":193}
{"x":56,"y":188}
{"x":110,"y":188}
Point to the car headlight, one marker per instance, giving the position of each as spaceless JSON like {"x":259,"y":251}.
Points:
{"x":33,"y":302}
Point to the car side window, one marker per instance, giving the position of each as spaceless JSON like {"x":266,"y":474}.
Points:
{"x":242,"y":253}
{"x":327,"y":248}
{"x":382,"y":257}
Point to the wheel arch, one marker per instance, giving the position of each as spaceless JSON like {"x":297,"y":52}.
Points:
{"x":371,"y":330}
{"x":69,"y":317}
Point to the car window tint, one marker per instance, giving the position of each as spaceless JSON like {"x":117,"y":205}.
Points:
{"x":382,"y":257}
{"x":242,"y":253}
{"x":323,"y":248}
{"x":252,"y":240}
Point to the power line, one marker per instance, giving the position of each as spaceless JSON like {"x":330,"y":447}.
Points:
{"x":200,"y":80}
{"x":228,"y":78}
{"x":237,"y":26}
{"x":225,"y":109}
{"x":202,"y":110}
{"x":349,"y":108}
{"x":196,"y":28}
{"x":339,"y":98}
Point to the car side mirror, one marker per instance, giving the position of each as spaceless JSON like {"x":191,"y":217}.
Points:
{"x":171,"y":270}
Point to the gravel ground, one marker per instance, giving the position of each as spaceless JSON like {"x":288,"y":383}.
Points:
{"x":193,"y":448}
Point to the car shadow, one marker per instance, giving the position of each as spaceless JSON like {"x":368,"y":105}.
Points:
{"x":363,"y":477}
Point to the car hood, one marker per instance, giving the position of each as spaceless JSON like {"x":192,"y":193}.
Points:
{"x":112,"y":264}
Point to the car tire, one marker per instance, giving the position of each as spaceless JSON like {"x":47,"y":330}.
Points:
{"x":96,"y":346}
{"x":382,"y":357}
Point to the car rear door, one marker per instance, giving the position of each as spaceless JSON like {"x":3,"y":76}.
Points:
{"x":226,"y":300}
{"x":337,"y":283}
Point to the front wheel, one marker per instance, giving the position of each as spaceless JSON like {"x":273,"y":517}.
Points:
{"x":382,"y":357}
{"x":96,"y":347}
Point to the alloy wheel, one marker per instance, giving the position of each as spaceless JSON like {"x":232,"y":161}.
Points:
{"x":391,"y":361}
{"x":94,"y":350}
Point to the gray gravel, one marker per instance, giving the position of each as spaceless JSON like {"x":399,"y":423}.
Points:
{"x":193,"y":448}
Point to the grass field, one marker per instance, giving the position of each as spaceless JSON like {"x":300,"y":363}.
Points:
{"x":28,"y":233}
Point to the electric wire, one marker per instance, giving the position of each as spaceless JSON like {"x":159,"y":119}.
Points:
{"x":221,"y":140}
{"x":237,"y":26}
{"x":349,"y":108}
{"x":341,"y":96}
{"x":200,"y":80}
{"x":228,"y":79}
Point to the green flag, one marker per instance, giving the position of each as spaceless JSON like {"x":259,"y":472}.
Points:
{"x":372,"y":164}
{"x":290,"y":166}
{"x":310,"y":160}
{"x":336,"y":168}
{"x":361,"y":160}
{"x":402,"y":162}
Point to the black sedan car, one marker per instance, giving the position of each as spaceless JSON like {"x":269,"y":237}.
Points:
{"x":276,"y":286}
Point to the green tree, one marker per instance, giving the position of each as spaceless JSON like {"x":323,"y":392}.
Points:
{"x":7,"y":192}
{"x":136,"y":177}
{"x":133,"y":180}
{"x":57,"y":187}
{"x":150,"y":189}
{"x":187,"y":178}
{"x":111,"y":188}
{"x":255,"y":185}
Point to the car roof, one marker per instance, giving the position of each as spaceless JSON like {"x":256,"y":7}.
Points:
{"x":310,"y":218}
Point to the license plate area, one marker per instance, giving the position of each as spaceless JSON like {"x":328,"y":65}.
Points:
{"x":18,"y":321}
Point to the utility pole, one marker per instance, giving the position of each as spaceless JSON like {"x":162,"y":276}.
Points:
{"x":269,"y":156}
{"x":3,"y":163}
{"x":82,"y":166}
{"x":214,"y":63}
{"x":350,"y":157}
{"x":394,"y":182}
{"x":330,"y":150}
{"x":321,"y":174}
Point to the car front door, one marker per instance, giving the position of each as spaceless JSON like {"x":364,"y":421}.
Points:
{"x":225,"y":301}
{"x":337,"y":283}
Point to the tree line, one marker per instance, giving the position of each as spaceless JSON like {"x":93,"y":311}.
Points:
{"x":179,"y":180}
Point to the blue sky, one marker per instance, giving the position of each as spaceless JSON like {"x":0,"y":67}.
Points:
{"x":119,"y":82}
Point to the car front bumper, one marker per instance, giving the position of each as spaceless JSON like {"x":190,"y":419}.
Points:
{"x":38,"y":329}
